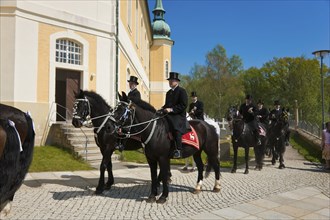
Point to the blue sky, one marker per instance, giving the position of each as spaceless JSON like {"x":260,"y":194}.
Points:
{"x":256,"y":31}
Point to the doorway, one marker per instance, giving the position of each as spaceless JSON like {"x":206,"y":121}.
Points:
{"x":67,"y":84}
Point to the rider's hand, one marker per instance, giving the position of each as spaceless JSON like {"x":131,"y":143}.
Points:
{"x":250,"y":110}
{"x":168,"y":110}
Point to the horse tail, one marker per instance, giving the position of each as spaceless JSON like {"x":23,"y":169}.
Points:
{"x":28,"y":147}
{"x":9,"y":162}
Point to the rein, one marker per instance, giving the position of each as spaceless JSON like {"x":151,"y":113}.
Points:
{"x":128,"y":134}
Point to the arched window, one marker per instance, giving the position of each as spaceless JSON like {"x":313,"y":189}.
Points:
{"x":68,"y":51}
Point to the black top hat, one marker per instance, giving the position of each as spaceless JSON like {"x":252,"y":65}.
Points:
{"x":174,"y":75}
{"x":193,"y":94}
{"x":133,"y":79}
{"x":248,"y":97}
{"x":276,"y":102}
{"x":260,"y":102}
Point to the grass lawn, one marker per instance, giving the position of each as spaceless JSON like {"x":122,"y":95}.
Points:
{"x":310,"y":152}
{"x":50,"y":158}
{"x":139,"y":157}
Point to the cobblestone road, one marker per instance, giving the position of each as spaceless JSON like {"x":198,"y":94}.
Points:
{"x":70,"y":195}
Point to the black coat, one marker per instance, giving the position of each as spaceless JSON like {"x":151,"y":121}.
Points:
{"x":275,"y":114}
{"x":134,"y":95}
{"x":199,"y":112}
{"x":263,"y":114}
{"x":178,"y":101}
{"x":247,"y":116}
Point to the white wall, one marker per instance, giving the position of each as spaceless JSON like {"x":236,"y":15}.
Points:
{"x":26,"y":60}
{"x":106,"y":67}
{"x":7,"y":54}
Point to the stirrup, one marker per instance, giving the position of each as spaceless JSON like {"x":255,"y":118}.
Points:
{"x":177,"y":154}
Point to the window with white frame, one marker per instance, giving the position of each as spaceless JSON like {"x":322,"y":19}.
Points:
{"x":166,"y":69}
{"x":68,"y":51}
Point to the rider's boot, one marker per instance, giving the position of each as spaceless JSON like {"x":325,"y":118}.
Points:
{"x":177,"y":152}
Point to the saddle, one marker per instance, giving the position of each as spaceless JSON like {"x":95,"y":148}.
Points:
{"x":189,"y":138}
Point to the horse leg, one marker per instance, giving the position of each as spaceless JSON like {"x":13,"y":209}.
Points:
{"x":169,"y":175}
{"x":164,"y":164}
{"x":100,"y":186}
{"x":200,"y":167}
{"x":233,"y":170}
{"x":110,"y":181}
{"x":273,"y":155}
{"x":282,"y":166}
{"x":214,"y":162}
{"x":153,"y":171}
{"x":247,"y":150}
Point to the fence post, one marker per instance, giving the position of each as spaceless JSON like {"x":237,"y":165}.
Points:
{"x":296,"y":115}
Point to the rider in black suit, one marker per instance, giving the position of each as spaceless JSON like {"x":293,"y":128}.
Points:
{"x":175,"y":105}
{"x":275,"y":115}
{"x":262,"y":113}
{"x":196,"y":108}
{"x":249,"y":112}
{"x":134,"y":94}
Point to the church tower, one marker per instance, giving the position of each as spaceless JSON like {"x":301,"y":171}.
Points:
{"x":160,"y":56}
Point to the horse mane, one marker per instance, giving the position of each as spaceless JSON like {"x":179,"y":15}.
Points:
{"x":145,"y":105}
{"x":98,"y":98}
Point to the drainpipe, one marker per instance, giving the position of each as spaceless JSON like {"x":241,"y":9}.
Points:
{"x":117,"y":49}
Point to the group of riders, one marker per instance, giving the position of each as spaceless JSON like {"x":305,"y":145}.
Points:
{"x":253,"y":115}
{"x":176,"y":103}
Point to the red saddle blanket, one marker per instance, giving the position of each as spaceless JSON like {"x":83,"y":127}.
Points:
{"x":191,"y":138}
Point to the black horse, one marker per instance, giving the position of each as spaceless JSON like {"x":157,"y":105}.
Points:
{"x":277,"y":137}
{"x":16,"y":152}
{"x":142,"y":118}
{"x":243,"y":137}
{"x":90,"y":109}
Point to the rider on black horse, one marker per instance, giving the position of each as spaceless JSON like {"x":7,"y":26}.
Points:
{"x":175,"y":105}
{"x":135,"y":96}
{"x":262,"y":113}
{"x":275,"y":115}
{"x":249,"y":112}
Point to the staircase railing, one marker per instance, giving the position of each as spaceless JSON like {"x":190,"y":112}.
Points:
{"x":50,"y":121}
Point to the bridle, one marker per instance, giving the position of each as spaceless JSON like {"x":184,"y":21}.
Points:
{"x":129,"y":113}
{"x":86,"y":117}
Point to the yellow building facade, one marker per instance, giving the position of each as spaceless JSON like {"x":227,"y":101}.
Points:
{"x":51,"y":49}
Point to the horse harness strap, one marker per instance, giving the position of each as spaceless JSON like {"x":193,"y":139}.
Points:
{"x":151,"y":133}
{"x":103,"y":123}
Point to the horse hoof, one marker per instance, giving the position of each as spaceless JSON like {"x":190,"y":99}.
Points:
{"x":161,"y":200}
{"x":169,"y":180}
{"x":233,"y":171}
{"x":98,"y":191}
{"x":282,"y":166}
{"x":151,"y":199}
{"x":196,"y":191}
{"x":216,"y":190}
{"x":246,"y":172}
{"x":107,"y":187}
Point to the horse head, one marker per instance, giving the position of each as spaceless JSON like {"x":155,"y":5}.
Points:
{"x":90,"y":109}
{"x":124,"y":111}
{"x":81,"y":110}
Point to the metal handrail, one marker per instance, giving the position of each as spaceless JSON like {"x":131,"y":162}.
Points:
{"x":49,"y":122}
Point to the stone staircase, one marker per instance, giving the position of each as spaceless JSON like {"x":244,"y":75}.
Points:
{"x":81,"y":140}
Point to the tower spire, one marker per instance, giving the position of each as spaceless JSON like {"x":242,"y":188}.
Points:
{"x":160,"y":28}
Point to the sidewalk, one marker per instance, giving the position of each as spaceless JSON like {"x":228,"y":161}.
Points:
{"x":300,"y":191}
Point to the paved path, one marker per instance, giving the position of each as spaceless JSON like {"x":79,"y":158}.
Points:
{"x":301,"y":191}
